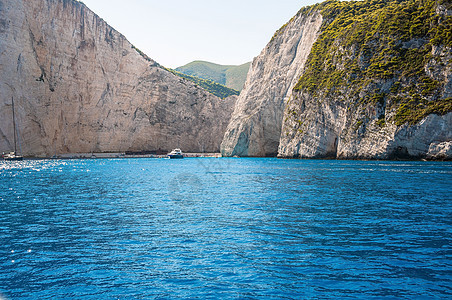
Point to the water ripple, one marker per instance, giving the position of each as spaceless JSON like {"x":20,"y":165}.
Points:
{"x":225,"y":228}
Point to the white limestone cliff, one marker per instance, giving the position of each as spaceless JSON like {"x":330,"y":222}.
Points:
{"x":80,"y":86}
{"x":329,"y":129}
{"x":270,"y":117}
{"x":255,"y":125}
{"x":341,"y":124}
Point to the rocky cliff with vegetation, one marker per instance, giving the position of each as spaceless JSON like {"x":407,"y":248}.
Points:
{"x":212,"y":87}
{"x":228,"y":75}
{"x":80,"y":86}
{"x":376,"y":84}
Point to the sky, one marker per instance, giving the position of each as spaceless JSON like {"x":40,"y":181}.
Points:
{"x":176,"y":32}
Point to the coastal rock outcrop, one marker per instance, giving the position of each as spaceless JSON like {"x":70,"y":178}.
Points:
{"x":80,"y":86}
{"x":373,"y":93}
{"x":255,"y":126}
{"x":330,"y":129}
{"x":375,"y":82}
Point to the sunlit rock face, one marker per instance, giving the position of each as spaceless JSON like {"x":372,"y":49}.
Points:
{"x":80,"y":86}
{"x":315,"y":92}
{"x":329,"y":129}
{"x":382,"y":107}
{"x":255,"y":126}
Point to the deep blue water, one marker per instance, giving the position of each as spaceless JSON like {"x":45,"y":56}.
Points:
{"x":225,"y":229}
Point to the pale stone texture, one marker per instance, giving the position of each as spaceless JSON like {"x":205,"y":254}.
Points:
{"x":255,"y":125}
{"x":318,"y":126}
{"x":440,"y":150}
{"x":328,"y":129}
{"x":79,"y":86}
{"x":269,"y":115}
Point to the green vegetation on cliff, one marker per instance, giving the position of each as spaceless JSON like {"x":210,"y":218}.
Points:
{"x":390,"y":53}
{"x":212,"y":87}
{"x":233,"y":77}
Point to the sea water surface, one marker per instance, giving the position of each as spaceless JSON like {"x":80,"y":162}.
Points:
{"x":206,"y":228}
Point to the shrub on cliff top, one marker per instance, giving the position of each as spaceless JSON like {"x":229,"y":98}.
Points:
{"x":214,"y":88}
{"x":363,"y":42}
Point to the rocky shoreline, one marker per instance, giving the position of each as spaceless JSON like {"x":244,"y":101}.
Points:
{"x":124,"y":155}
{"x":111,"y":155}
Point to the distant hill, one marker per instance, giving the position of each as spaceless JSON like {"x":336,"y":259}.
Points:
{"x":212,"y":87}
{"x":231,"y":76}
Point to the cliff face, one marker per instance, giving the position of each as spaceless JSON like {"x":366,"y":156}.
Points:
{"x":378,"y":89}
{"x":375,"y":84}
{"x":80,"y":86}
{"x":331,"y":129}
{"x":255,"y":126}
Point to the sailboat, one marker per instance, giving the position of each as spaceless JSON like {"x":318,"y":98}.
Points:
{"x":13,"y":155}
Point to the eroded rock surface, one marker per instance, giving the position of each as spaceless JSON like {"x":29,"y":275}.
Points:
{"x":80,"y":86}
{"x":317,"y":91}
{"x":255,"y":126}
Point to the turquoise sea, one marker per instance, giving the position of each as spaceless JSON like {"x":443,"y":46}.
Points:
{"x":225,"y":228}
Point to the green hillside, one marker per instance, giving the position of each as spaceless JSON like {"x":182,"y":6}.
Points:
{"x":231,"y":76}
{"x":210,"y":86}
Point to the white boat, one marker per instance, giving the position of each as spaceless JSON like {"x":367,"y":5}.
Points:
{"x":176,"y":153}
{"x":12,"y":155}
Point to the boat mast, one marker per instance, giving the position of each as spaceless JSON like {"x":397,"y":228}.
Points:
{"x":14,"y":125}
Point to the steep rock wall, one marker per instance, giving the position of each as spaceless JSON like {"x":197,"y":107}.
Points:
{"x":80,"y":86}
{"x":255,"y":126}
{"x":389,"y":101}
{"x":329,"y":128}
{"x":361,"y":79}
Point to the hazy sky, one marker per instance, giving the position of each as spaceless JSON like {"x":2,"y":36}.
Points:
{"x":176,"y":32}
